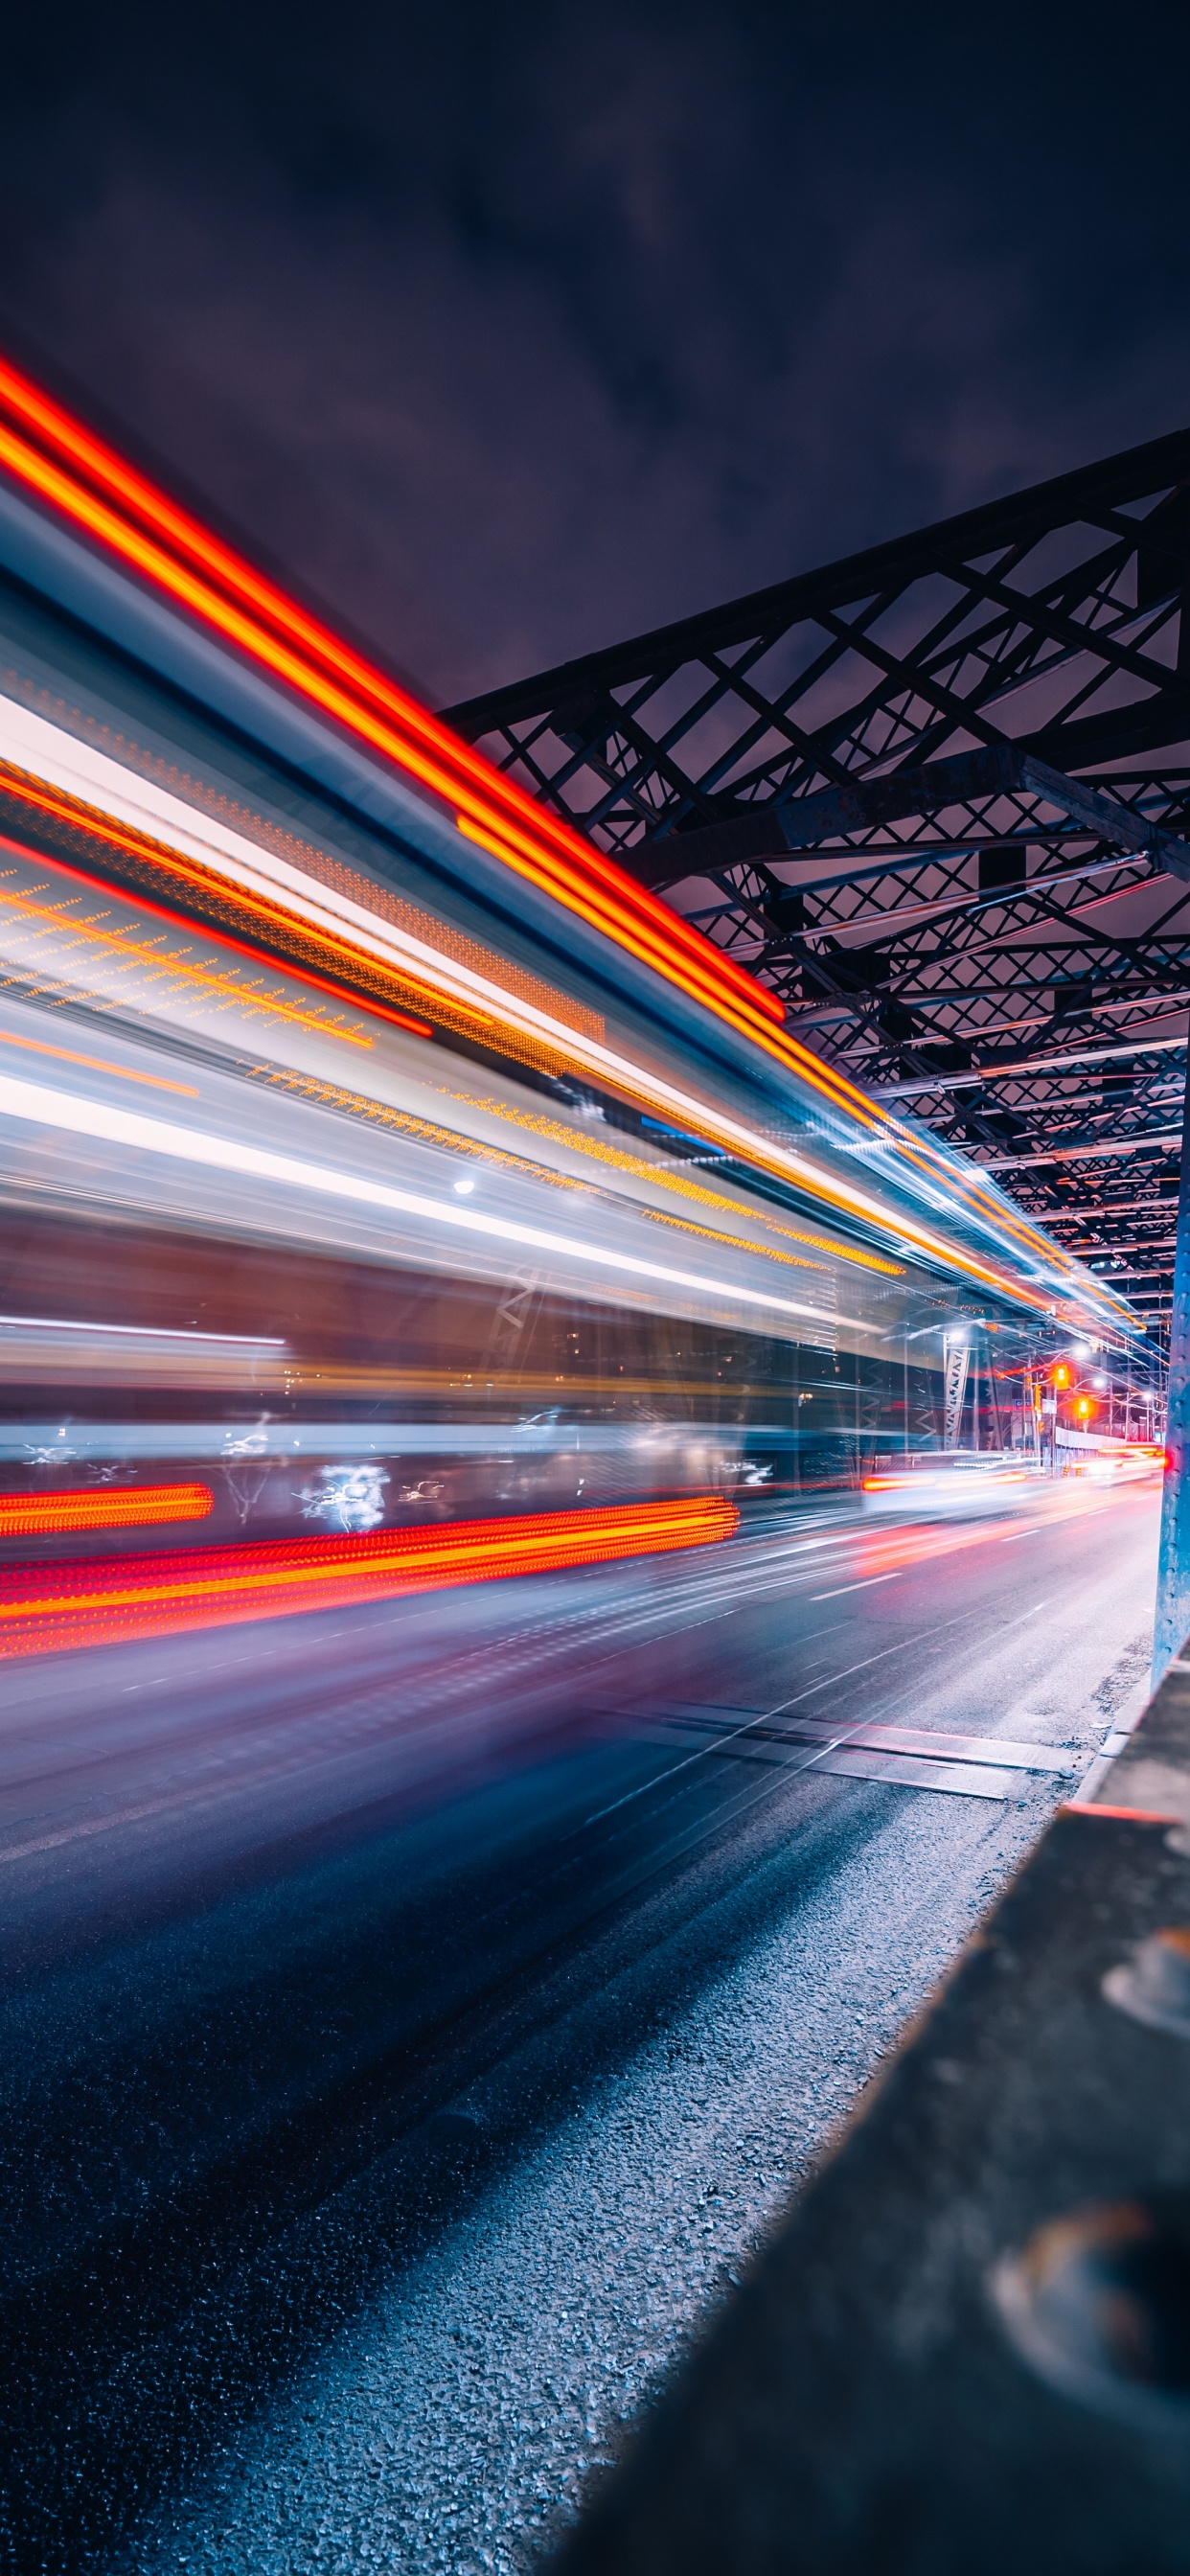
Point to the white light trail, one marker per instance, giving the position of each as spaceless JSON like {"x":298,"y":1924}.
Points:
{"x":60,"y":760}
{"x":69,"y":1113}
{"x":138,"y":1332}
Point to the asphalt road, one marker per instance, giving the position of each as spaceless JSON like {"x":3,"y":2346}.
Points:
{"x":414,"y":2016}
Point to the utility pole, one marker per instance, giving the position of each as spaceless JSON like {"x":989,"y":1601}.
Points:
{"x":956,"y":1361}
{"x":1172,"y":1624}
{"x":996,"y":1427}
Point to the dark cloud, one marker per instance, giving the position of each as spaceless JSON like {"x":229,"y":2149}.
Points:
{"x":509,"y":332}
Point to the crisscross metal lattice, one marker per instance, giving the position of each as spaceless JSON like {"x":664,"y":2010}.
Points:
{"x":938,"y":797}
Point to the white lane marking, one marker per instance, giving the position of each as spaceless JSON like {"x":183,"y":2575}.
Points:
{"x":97,"y":1825}
{"x":1025,"y":1533}
{"x":864,"y":1586}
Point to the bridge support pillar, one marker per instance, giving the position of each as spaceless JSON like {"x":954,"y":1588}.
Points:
{"x":1172,"y":1625}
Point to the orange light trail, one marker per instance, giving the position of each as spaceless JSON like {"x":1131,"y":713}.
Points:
{"x":95,"y":1063}
{"x":516,"y":852}
{"x":92,"y":486}
{"x":834,"y":1194}
{"x":101,"y":1507}
{"x":928,"y":1159}
{"x":117,"y":506}
{"x":224,"y":987}
{"x":135,"y":845}
{"x":101,"y":1601}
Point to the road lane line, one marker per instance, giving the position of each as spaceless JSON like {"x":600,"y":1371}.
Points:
{"x":95,"y":1825}
{"x":864,"y":1585}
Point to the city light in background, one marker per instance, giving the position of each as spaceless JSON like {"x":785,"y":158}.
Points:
{"x":219,"y":1028}
{"x":592,"y":1406}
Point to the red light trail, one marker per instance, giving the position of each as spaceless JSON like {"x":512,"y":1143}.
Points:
{"x":91,"y":1507}
{"x":188,"y":878}
{"x":109,"y":1600}
{"x":53,"y":456}
{"x":93,"y":487}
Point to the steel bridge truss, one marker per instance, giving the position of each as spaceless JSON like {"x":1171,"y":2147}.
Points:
{"x":938,"y":797}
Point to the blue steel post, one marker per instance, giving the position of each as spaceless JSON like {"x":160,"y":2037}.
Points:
{"x":1172,"y":1626}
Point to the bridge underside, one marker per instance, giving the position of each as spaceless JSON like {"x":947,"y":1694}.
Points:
{"x":937,"y":796}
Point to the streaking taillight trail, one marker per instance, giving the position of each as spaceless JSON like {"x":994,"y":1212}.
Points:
{"x":110,"y":1600}
{"x":95,"y":1507}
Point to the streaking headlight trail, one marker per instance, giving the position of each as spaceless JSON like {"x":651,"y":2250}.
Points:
{"x":81,"y":1117}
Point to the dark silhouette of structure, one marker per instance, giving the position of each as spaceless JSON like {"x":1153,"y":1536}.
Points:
{"x":935,"y":795}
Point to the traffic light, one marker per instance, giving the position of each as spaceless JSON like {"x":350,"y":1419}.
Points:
{"x":1060,"y":1375}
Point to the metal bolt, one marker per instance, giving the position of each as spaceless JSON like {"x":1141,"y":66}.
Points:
{"x":1153,"y":1986}
{"x":1098,"y":2304}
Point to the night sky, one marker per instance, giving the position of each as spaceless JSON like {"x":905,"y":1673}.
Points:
{"x":508,"y":332}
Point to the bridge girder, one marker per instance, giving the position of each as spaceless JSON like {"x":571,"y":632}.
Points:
{"x":938,"y":797}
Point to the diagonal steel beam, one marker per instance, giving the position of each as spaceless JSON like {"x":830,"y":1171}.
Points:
{"x":781,"y":829}
{"x":1023,"y":516}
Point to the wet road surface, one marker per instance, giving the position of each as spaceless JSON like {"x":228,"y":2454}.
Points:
{"x":415,"y":2016}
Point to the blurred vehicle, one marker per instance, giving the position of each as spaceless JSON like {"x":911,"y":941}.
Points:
{"x":1128,"y":1463}
{"x":946,"y":1484}
{"x":378,"y":1153}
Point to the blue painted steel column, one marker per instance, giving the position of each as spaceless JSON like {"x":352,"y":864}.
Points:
{"x":1172,"y":1626}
